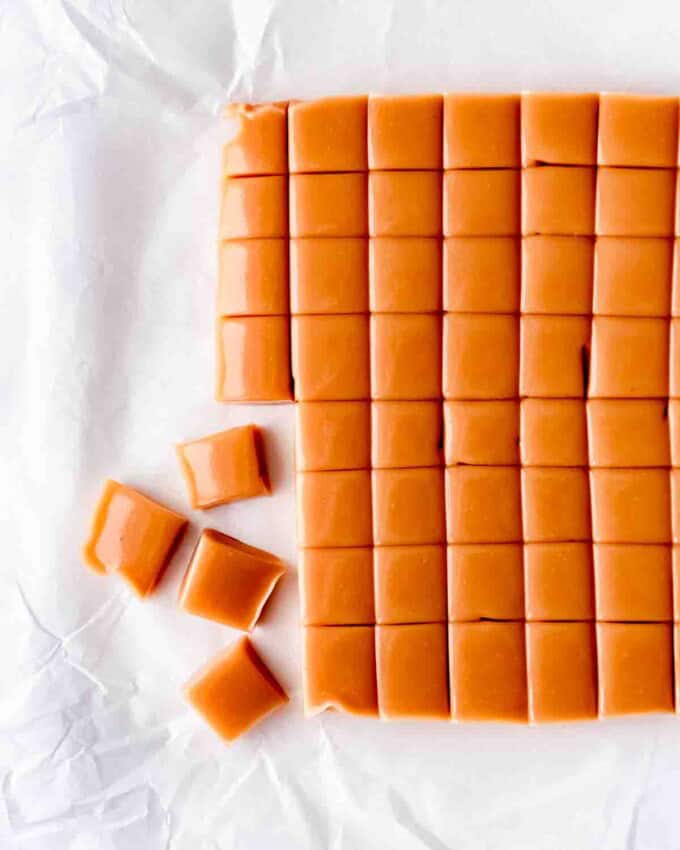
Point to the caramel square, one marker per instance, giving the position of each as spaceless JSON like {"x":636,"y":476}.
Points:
{"x":406,"y":356}
{"x":328,"y":276}
{"x":336,"y":586}
{"x":485,"y":581}
{"x":412,"y":671}
{"x":405,"y":131}
{"x":675,"y":505}
{"x":675,"y":285}
{"x":481,"y":274}
{"x":554,"y":356}
{"x":253,"y":359}
{"x":405,"y":275}
{"x":629,"y":358}
{"x":408,"y":506}
{"x":674,"y":376}
{"x":638,"y":130}
{"x":252,"y":278}
{"x":558,"y":581}
{"x":483,"y":504}
{"x":553,"y":432}
{"x":405,"y":203}
{"x":676,"y":585}
{"x":482,"y":202}
{"x":633,"y":583}
{"x":328,"y":134}
{"x":254,"y":208}
{"x":559,"y":128}
{"x":481,"y":131}
{"x":632,"y":276}
{"x":258,"y":142}
{"x":628,"y":432}
{"x":328,"y":205}
{"x":334,"y":509}
{"x":481,"y":354}
{"x":635,"y":202}
{"x":674,"y":423}
{"x":555,"y":504}
{"x":631,"y":505}
{"x":332,"y":435}
{"x":557,"y":275}
{"x":558,"y":200}
{"x":481,"y":432}
{"x":406,"y":434}
{"x":331,"y":358}
{"x":410,"y":584}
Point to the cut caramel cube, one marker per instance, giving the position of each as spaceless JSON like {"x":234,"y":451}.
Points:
{"x":405,"y":203}
{"x":254,"y":208}
{"x":253,"y":278}
{"x":481,"y":356}
{"x":558,"y":200}
{"x":328,"y":276}
{"x":336,"y":586}
{"x":674,"y":374}
{"x":629,"y":358}
{"x":481,"y":131}
{"x":406,"y":434}
{"x":631,"y":505}
{"x":628,"y":432}
{"x":405,"y":275}
{"x":328,"y":205}
{"x":259,"y":145}
{"x":555,"y":504}
{"x":633,"y":583}
{"x":406,"y":356}
{"x":632,"y":276}
{"x":481,"y":432}
{"x":559,"y":128}
{"x":481,"y":274}
{"x":328,"y":134}
{"x":332,"y":435}
{"x":553,"y":432}
{"x":557,"y":275}
{"x":483,"y":202}
{"x":483,"y":504}
{"x":405,"y":131}
{"x":410,"y":584}
{"x":331,"y":358}
{"x":635,"y":202}
{"x":334,"y":508}
{"x":408,"y":506}
{"x":638,"y":130}
{"x":558,"y":581}
{"x":253,"y":359}
{"x":554,"y":356}
{"x":485,"y":581}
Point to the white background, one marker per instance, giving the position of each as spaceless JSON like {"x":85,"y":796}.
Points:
{"x":109,"y":157}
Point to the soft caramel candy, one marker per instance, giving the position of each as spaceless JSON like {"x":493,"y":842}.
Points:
{"x":481,"y":274}
{"x":132,"y":535}
{"x":632,"y":276}
{"x":558,"y":581}
{"x":253,"y":359}
{"x":336,"y":586}
{"x":483,"y":504}
{"x":675,"y":285}
{"x":334,"y":508}
{"x":558,"y":200}
{"x":638,"y":130}
{"x":555,"y":504}
{"x":631,"y":505}
{"x":629,"y":358}
{"x":554,"y":356}
{"x":404,"y":203}
{"x":676,"y":587}
{"x":259,"y":145}
{"x":553,"y":432}
{"x":224,"y":467}
{"x":485,"y":581}
{"x":481,"y":432}
{"x":483,"y":202}
{"x":328,"y":134}
{"x":328,"y":275}
{"x":339,"y":670}
{"x":674,"y":424}
{"x":228,"y":581}
{"x":254,"y":208}
{"x":412,"y":672}
{"x":487,"y":667}
{"x":410,"y":584}
{"x":405,"y":356}
{"x":635,"y":662}
{"x":674,"y":375}
{"x":557,"y":275}
{"x":405,"y":131}
{"x":633,"y":582}
{"x":675,"y":505}
{"x":408,"y":506}
{"x":328,"y":205}
{"x":481,"y":356}
{"x":235,"y":690}
{"x":332,"y":435}
{"x":481,"y":131}
{"x":635,"y":202}
{"x":628,"y":432}
{"x":253,"y":278}
{"x":561,"y":671}
{"x":559,"y":128}
{"x":405,"y":275}
{"x":406,"y":433}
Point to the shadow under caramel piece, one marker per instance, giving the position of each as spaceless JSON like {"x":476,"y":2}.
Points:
{"x":629,"y":358}
{"x":555,"y":504}
{"x":559,"y":128}
{"x":557,"y":275}
{"x":336,"y":586}
{"x":481,"y":130}
{"x":483,"y":504}
{"x":328,"y":134}
{"x":638,"y":130}
{"x":554,"y":356}
{"x":558,"y":581}
{"x":325,"y":205}
{"x":405,"y":131}
{"x":635,"y":202}
{"x":332,"y":435}
{"x":553,"y":432}
{"x":259,"y":144}
{"x":334,"y":509}
{"x":631,"y":505}
{"x":481,"y":355}
{"x":253,"y":359}
{"x":632,"y":276}
{"x":405,"y":275}
{"x":628,"y":432}
{"x":633,"y":583}
{"x":405,"y":356}
{"x":482,"y":274}
{"x":254,"y":208}
{"x":404,"y":203}
{"x":482,"y":202}
{"x":410,"y":584}
{"x":406,"y":434}
{"x":328,"y":275}
{"x":481,"y":433}
{"x":558,"y":200}
{"x":252,"y":278}
{"x":485,"y":581}
{"x":408,"y":506}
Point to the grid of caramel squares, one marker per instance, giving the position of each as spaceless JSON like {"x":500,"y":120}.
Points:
{"x":474,"y":301}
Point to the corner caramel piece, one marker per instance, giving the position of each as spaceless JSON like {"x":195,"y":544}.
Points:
{"x":558,"y":200}
{"x":223,"y":467}
{"x":559,"y":128}
{"x":483,"y":504}
{"x":558,"y":581}
{"x":405,"y":275}
{"x":405,"y":356}
{"x":228,"y":581}
{"x":328,"y":134}
{"x":633,"y":583}
{"x":336,"y":586}
{"x":628,"y":432}
{"x":328,"y":275}
{"x":132,"y":535}
{"x":484,"y":202}
{"x":481,"y":131}
{"x":252,"y":278}
{"x":328,"y":205}
{"x":481,"y":354}
{"x":553,"y":432}
{"x":638,"y":130}
{"x":254,"y":208}
{"x":235,"y":690}
{"x":632,"y":276}
{"x":555,"y":504}
{"x":410,"y":584}
{"x":485,"y":581}
{"x":253,"y":359}
{"x":332,"y":435}
{"x":406,"y":434}
{"x":405,"y":131}
{"x":635,"y":202}
{"x":557,"y":275}
{"x":404,"y":203}
{"x":629,"y":358}
{"x":481,"y":432}
{"x":259,"y":145}
{"x":334,"y":509}
{"x":554,"y":356}
{"x":408,"y":506}
{"x":631,"y":505}
{"x":482,"y":274}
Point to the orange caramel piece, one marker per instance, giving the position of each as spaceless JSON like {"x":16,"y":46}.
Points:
{"x":675,"y":285}
{"x":633,"y":582}
{"x":328,"y":134}
{"x":674,"y":422}
{"x":483,"y":504}
{"x":410,"y":584}
{"x":635,"y":662}
{"x":224,"y":467}
{"x":412,"y":671}
{"x":332,"y":435}
{"x":554,"y":356}
{"x":481,"y":274}
{"x":558,"y":581}
{"x":253,"y":278}
{"x":405,"y":275}
{"x":487,"y":667}
{"x":485,"y":581}
{"x":253,"y":359}
{"x":254,"y":208}
{"x":228,"y":581}
{"x":328,"y":205}
{"x":638,"y":130}
{"x":235,"y":690}
{"x":405,"y":203}
{"x":334,"y":508}
{"x":339,"y":670}
{"x":480,"y":356}
{"x":482,"y":202}
{"x":328,"y":275}
{"x":632,"y":276}
{"x":405,"y":131}
{"x":336,"y":586}
{"x":555,"y":504}
{"x":557,"y":275}
{"x":628,"y":432}
{"x":676,"y":587}
{"x":675,"y":505}
{"x":631,"y":505}
{"x":406,"y":434}
{"x":558,"y":200}
{"x":481,"y":131}
{"x":132,"y":535}
{"x":553,"y":432}
{"x":405,"y":356}
{"x":481,"y":432}
{"x":635,"y":202}
{"x":561,"y":671}
{"x":408,"y":506}
{"x":629,"y":358}
{"x":674,"y":376}
{"x":559,"y":128}
{"x":259,"y":145}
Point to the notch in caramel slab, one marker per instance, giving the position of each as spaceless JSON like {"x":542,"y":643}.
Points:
{"x":555,"y":504}
{"x":334,"y":508}
{"x":410,"y":584}
{"x":405,"y":131}
{"x":404,"y":203}
{"x":633,"y":583}
{"x":481,"y":274}
{"x":336,"y":586}
{"x":254,"y":208}
{"x":481,"y":354}
{"x":133,"y":536}
{"x":259,"y":143}
{"x":481,"y":130}
{"x":638,"y":130}
{"x":328,"y":276}
{"x":332,"y":435}
{"x":558,"y":200}
{"x":485,"y":581}
{"x":557,"y":275}
{"x":405,"y":275}
{"x":635,"y":202}
{"x":253,"y":359}
{"x":235,"y":690}
{"x":554,"y":356}
{"x":228,"y":581}
{"x":632,"y":276}
{"x":482,"y":202}
{"x":328,"y":134}
{"x":628,"y":432}
{"x":252,"y":278}
{"x":328,"y":205}
{"x":553,"y":432}
{"x":629,"y":358}
{"x":408,"y":506}
{"x":481,"y":432}
{"x":405,"y":356}
{"x":631,"y":505}
{"x":559,"y":128}
{"x":406,"y":434}
{"x":483,"y":504}
{"x":558,"y":581}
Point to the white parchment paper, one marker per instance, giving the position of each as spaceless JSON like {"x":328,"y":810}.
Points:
{"x":108,"y":175}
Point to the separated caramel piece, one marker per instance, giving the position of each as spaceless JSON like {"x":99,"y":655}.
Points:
{"x":638,"y":130}
{"x":339,"y":670}
{"x":260,"y":144}
{"x":629,"y":358}
{"x":553,"y":432}
{"x":631,"y":505}
{"x":406,"y":356}
{"x":235,"y":690}
{"x":628,"y":432}
{"x":485,"y":581}
{"x":635,"y":202}
{"x":332,"y":435}
{"x":483,"y":202}
{"x":632,"y":276}
{"x":558,"y":581}
{"x":559,"y":128}
{"x":405,"y":131}
{"x":487,"y":669}
{"x":483,"y":504}
{"x":410,"y":584}
{"x":635,"y":664}
{"x":331,"y":358}
{"x":253,"y":359}
{"x":328,"y":275}
{"x":254,"y":208}
{"x":224,"y":467}
{"x":675,"y":286}
{"x":328,"y":134}
{"x":674,"y":422}
{"x":558,"y":200}
{"x":406,"y":434}
{"x":253,"y":278}
{"x":412,"y":672}
{"x":481,"y":355}
{"x":334,"y":509}
{"x":561,"y":671}
{"x":555,"y":504}
{"x":228,"y":581}
{"x":554,"y":356}
{"x":481,"y":131}
{"x":481,"y":432}
{"x":132,"y":535}
{"x":633,"y":582}
{"x":405,"y":203}
{"x":408,"y":506}
{"x":557,"y":275}
{"x":405,"y":275}
{"x":674,"y":376}
{"x":328,"y":205}
{"x":336,"y":587}
{"x":481,"y":274}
